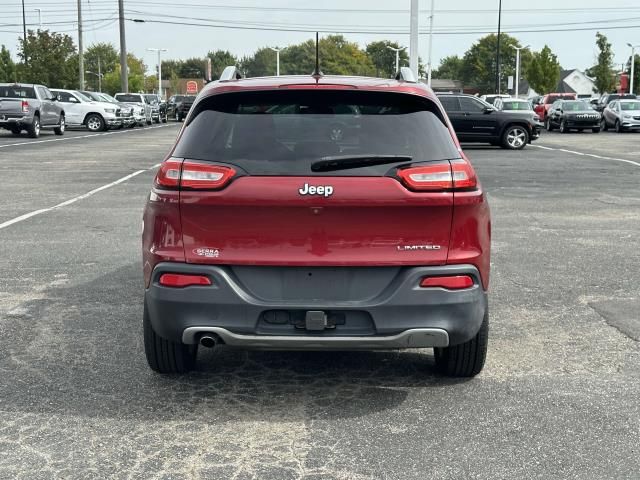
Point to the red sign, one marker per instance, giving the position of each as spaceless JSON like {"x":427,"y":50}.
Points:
{"x":192,"y":87}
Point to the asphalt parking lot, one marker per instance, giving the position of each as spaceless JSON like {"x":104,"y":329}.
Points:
{"x":559,"y":396}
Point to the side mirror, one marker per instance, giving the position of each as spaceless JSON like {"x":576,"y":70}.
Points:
{"x":487,"y":110}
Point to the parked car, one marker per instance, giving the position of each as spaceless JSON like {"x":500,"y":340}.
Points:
{"x":607,"y":98}
{"x":152,"y":99}
{"x":286,"y":235}
{"x":567,"y":115}
{"x":178,"y":106}
{"x":162,"y":107}
{"x":491,"y":98}
{"x":30,"y":107}
{"x":546,"y":101}
{"x":142,"y":111}
{"x":126,"y":110}
{"x":474,"y":120}
{"x":81,"y":110}
{"x":512,"y":105}
{"x":622,"y":115}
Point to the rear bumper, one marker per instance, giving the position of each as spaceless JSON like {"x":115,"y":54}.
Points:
{"x":399,"y":314}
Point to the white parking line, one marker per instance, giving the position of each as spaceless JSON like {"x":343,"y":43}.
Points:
{"x":66,"y":139}
{"x":74,"y":199}
{"x":624,"y":160}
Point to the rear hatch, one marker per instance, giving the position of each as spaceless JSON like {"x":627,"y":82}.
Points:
{"x":314,"y":178}
{"x":14,"y":100}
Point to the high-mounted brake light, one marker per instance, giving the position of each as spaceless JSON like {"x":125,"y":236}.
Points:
{"x":203,"y":176}
{"x":428,"y":178}
{"x":450,"y":282}
{"x":25,"y":106}
{"x":193,"y":175}
{"x":179,"y":280}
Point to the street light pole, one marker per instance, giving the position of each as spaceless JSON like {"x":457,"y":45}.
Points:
{"x":397,"y":50}
{"x":159,"y":50}
{"x":430,"y":44}
{"x":498,"y":49}
{"x":518,"y":68}
{"x":277,"y":50}
{"x":24,"y":29}
{"x":124,"y":71}
{"x":80,"y":48}
{"x":633,"y":63}
{"x":39,"y":10}
{"x":413,"y":38}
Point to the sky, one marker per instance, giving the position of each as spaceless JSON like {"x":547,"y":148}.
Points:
{"x":569,"y":25}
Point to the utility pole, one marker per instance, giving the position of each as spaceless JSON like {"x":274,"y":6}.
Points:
{"x":518,"y":68}
{"x":413,"y":39}
{"x":159,"y":50}
{"x":99,"y":75}
{"x":277,"y":50}
{"x":24,"y":30}
{"x":633,"y":63}
{"x":124,"y":73}
{"x":80,"y":49}
{"x":498,"y":49}
{"x":397,"y":50}
{"x":39,"y":10}
{"x":429,"y":67}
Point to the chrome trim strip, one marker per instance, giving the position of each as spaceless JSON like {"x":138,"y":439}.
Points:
{"x":412,"y":338}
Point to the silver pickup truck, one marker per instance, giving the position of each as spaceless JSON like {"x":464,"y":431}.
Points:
{"x":30,"y":107}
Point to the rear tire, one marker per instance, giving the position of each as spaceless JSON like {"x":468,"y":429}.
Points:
{"x":59,"y":130}
{"x":165,"y":356}
{"x":33,"y":130}
{"x":466,"y":359}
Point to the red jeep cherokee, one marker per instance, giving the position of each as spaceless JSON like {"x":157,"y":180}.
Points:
{"x":316,"y":213}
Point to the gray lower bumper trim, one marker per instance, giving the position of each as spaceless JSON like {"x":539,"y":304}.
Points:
{"x":413,"y":338}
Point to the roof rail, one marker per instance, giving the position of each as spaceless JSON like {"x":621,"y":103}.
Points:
{"x":405,"y":74}
{"x":230,"y":73}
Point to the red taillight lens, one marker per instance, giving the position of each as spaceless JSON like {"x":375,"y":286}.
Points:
{"x":451,"y":282}
{"x":427,"y":178}
{"x":169,"y":174}
{"x":179,"y":280}
{"x":25,"y":106}
{"x":464,"y":177}
{"x":203,"y":176}
{"x":193,"y":175}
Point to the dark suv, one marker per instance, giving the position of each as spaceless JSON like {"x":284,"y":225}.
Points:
{"x":178,"y":106}
{"x":316,"y":213}
{"x":474,"y":120}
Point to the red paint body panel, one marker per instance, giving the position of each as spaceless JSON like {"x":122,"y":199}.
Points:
{"x":543,"y":108}
{"x":265,"y":221}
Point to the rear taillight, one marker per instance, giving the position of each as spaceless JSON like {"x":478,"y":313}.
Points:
{"x":453,"y":175}
{"x":179,"y":280}
{"x":450,"y":282}
{"x":25,"y":106}
{"x":193,"y":175}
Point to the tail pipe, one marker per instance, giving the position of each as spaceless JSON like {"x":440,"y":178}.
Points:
{"x":208,"y":341}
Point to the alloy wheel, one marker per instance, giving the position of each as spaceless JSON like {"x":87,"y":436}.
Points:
{"x":516,"y":137}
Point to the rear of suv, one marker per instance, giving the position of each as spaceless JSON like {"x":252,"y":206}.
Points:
{"x":316,"y":213}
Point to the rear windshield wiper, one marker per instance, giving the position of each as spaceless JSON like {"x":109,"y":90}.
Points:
{"x":344,"y":162}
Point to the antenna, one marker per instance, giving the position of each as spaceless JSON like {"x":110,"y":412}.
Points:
{"x":316,"y":71}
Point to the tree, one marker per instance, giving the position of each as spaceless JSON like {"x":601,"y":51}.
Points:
{"x":7,"y":67}
{"x":262,"y":63}
{"x":479,"y":62}
{"x":51,"y":59}
{"x":543,"y":71}
{"x":137,"y":68}
{"x":107,"y":55}
{"x":450,"y":67}
{"x":219,"y":60}
{"x":384,"y":59}
{"x":603,"y":70}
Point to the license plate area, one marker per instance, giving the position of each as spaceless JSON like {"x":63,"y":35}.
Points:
{"x":323,"y":322}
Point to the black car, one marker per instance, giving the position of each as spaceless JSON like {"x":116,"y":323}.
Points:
{"x":179,"y":105}
{"x":569,"y":115}
{"x":474,"y":120}
{"x":604,"y":100}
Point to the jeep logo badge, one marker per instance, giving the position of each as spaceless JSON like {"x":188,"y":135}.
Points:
{"x":324,"y":190}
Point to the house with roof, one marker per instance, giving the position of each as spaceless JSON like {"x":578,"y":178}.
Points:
{"x":571,"y":81}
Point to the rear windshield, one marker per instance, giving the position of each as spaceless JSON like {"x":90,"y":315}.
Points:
{"x":17,"y":92}
{"x":283,"y":133}
{"x":129,"y":98}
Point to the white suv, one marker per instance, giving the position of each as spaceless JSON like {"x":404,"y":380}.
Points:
{"x":80,"y":110}
{"x":142,"y":110}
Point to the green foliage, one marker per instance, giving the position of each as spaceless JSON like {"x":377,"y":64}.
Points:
{"x":109,"y":59}
{"x":189,"y":68}
{"x":450,"y":67}
{"x":384,"y":59}
{"x":111,"y":82}
{"x":603,"y":72}
{"x":219,"y":60}
{"x":51,"y":59}
{"x":261,"y":63}
{"x":543,"y":71}
{"x":7,"y":66}
{"x":479,"y":62}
